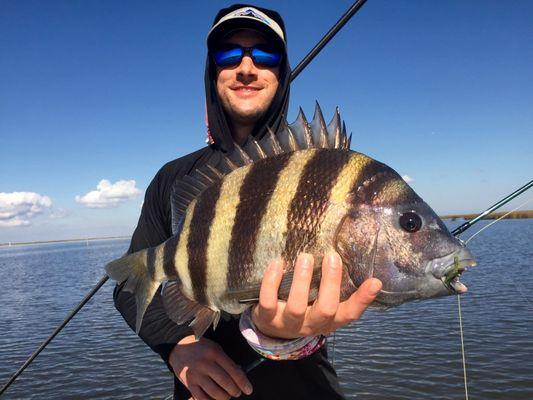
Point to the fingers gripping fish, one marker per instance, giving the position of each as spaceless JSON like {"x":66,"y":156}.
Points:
{"x":301,"y":190}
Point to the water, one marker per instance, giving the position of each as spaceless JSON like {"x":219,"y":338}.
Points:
{"x":410,"y":352}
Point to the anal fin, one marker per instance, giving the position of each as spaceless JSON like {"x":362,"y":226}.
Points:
{"x":181,"y":309}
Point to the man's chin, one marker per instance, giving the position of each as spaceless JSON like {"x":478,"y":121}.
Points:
{"x":248,"y":116}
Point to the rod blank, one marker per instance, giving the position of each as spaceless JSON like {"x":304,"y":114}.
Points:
{"x":56,"y":331}
{"x":327,"y":37}
{"x":460,"y":229}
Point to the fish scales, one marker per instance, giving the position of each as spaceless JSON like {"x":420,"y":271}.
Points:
{"x":312,"y":200}
{"x":250,"y":214}
{"x":283,"y":229}
{"x":308,"y":206}
{"x":349,"y":178}
{"x":181,"y":259}
{"x":220,"y":233}
{"x":271,"y":235}
{"x":169,"y":256}
{"x":197,"y":242}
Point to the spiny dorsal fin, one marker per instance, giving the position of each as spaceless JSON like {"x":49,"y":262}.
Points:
{"x":239,"y":157}
{"x":299,"y":135}
{"x":318,"y":129}
{"x":270,"y":144}
{"x":254,"y":150}
{"x":334,"y":131}
{"x":301,"y":131}
{"x":286,"y":137}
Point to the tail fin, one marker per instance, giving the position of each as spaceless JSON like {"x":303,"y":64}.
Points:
{"x":134,"y":269}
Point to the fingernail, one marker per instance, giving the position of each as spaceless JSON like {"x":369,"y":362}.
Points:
{"x":375,"y":286}
{"x":333,"y":260}
{"x":305,"y":261}
{"x":305,"y":257}
{"x":248,"y":388}
{"x":275,"y":265}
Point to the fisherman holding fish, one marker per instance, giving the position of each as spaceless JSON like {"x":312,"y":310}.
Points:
{"x":224,"y":233}
{"x":247,"y":90}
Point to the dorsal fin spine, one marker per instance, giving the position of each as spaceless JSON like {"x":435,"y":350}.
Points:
{"x":318,"y":129}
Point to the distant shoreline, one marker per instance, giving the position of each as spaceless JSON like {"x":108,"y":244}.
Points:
{"x":495,"y":215}
{"x":514,"y":215}
{"x":90,"y":239}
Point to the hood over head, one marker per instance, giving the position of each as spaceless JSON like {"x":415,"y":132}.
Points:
{"x":270,"y":23}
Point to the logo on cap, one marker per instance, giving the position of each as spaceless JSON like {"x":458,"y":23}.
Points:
{"x":251,"y":13}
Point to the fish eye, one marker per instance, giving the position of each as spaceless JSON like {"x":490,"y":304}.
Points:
{"x":410,"y":222}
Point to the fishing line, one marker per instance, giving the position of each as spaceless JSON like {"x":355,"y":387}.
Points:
{"x":500,"y":218}
{"x":520,"y":290}
{"x":461,"y":229}
{"x":492,"y":223}
{"x":462,"y":345}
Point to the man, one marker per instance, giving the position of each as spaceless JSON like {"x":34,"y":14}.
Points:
{"x":247,"y":89}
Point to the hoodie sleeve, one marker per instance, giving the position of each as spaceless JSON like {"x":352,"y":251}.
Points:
{"x":158,"y":331}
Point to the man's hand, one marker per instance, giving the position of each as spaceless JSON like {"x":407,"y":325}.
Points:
{"x":295,"y":318}
{"x":206,"y":371}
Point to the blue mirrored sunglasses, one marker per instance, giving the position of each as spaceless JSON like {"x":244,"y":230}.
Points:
{"x":261,"y":56}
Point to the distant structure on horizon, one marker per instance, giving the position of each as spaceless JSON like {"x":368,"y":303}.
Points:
{"x":87,"y":240}
{"x":495,"y":215}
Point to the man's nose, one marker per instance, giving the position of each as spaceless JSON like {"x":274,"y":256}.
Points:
{"x":247,"y":66}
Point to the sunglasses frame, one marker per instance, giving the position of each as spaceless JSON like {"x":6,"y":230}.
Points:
{"x":249,"y":51}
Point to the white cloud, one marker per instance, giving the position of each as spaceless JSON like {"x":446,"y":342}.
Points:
{"x":17,"y":208}
{"x":407,"y":178}
{"x":109,"y":194}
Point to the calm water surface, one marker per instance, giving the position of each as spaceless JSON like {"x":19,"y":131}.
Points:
{"x":411,"y":352}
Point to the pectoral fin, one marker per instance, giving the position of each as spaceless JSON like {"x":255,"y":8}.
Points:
{"x":181,"y":309}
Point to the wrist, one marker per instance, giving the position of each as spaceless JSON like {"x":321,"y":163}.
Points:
{"x":277,"y":348}
{"x":264,"y":328}
{"x":173,"y":356}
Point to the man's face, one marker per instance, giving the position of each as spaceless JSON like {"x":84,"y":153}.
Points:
{"x":246,"y":90}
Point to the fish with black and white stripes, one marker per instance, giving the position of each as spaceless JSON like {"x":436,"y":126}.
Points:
{"x":299,"y":190}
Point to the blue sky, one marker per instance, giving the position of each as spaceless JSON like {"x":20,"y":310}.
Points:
{"x":111,"y":90}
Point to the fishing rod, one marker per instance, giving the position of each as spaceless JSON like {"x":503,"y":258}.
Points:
{"x":327,"y":37}
{"x":460,"y":229}
{"x":71,"y":315}
{"x":305,"y":61}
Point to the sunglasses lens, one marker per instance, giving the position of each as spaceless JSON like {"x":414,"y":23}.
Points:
{"x":267,"y":58}
{"x":227,"y":57}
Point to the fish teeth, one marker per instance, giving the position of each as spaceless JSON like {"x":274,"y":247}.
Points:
{"x":459,"y":287}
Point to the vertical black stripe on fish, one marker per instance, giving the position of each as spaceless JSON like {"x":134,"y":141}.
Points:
{"x":248,"y":216}
{"x":150,"y":262}
{"x":203,"y":215}
{"x":307,"y":208}
{"x":169,"y":256}
{"x":372,"y":178}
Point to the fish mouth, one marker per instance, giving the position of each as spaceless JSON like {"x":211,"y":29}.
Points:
{"x":454,"y":271}
{"x":449,"y":268}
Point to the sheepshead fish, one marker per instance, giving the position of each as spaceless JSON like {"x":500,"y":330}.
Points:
{"x":300,"y":190}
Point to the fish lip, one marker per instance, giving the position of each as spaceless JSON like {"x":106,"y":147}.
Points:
{"x":448,"y":269}
{"x":453,"y":272}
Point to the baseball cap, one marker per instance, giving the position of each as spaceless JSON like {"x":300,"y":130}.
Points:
{"x":247,"y":17}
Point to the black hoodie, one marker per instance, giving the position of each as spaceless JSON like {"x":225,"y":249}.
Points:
{"x":310,"y":378}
